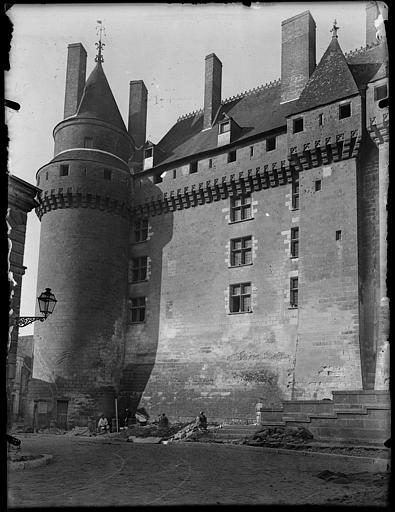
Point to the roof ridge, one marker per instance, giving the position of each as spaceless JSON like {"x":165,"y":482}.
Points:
{"x":254,"y":90}
{"x":248,"y":92}
{"x":191,"y":114}
{"x":362,"y":49}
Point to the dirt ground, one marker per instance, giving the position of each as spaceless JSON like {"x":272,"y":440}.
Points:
{"x":109,"y":472}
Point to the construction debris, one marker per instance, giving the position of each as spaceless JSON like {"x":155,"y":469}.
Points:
{"x":144,"y":440}
{"x":288,"y":437}
{"x":79,"y":431}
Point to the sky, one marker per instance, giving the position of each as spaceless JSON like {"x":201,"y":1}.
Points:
{"x":163,"y":44}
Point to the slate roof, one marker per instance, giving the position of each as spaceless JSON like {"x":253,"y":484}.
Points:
{"x":337,"y":76}
{"x":370,"y":63}
{"x":331,"y":80}
{"x":256,"y":112}
{"x":97,"y":100}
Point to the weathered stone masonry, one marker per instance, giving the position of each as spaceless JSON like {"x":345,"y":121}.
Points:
{"x":306,"y":155}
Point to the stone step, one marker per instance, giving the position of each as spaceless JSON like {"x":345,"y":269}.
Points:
{"x":272,"y":424}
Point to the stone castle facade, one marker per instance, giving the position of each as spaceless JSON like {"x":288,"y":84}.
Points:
{"x":241,"y":257}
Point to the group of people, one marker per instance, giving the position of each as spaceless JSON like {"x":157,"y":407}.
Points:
{"x":163,"y":421}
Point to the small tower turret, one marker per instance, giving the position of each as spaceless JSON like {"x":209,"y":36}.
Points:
{"x":83,"y":253}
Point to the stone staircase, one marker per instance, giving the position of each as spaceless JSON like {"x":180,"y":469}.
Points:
{"x":352,"y":417}
{"x":229,"y":433}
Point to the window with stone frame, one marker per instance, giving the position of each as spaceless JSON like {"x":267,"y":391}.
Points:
{"x":241,"y":251}
{"x":107,"y":173}
{"x":140,"y":230}
{"x":137,"y":309}
{"x":380,"y":92}
{"x":64,"y":170}
{"x":293,"y":292}
{"x":240,"y":208}
{"x":294,"y":242}
{"x":344,"y":110}
{"x":88,"y":142}
{"x":139,"y":269}
{"x":295,"y":190}
{"x":298,"y":125}
{"x":240,"y":298}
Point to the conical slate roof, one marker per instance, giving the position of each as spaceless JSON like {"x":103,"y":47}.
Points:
{"x":331,"y":80}
{"x":98,"y":101}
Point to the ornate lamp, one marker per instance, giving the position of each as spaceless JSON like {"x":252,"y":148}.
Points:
{"x":46,"y":304}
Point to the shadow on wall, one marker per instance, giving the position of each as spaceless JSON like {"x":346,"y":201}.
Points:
{"x":142,"y":337}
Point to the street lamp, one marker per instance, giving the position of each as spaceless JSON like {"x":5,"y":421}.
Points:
{"x":46,"y":303}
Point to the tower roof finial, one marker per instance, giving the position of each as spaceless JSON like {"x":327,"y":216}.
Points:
{"x":99,"y":31}
{"x":334,"y":29}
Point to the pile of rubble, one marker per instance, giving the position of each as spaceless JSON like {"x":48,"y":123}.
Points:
{"x":274,"y":437}
{"x":79,"y":431}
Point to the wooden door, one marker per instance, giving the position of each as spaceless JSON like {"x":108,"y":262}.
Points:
{"x":61,"y":414}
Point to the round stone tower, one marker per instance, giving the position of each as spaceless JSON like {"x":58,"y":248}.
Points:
{"x":83,"y":255}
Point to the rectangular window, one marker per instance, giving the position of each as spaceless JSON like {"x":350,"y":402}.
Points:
{"x":140,"y":230}
{"x":148,"y":153}
{"x":224,"y":127}
{"x":338,"y":235}
{"x":139,"y":269}
{"x":210,"y":163}
{"x":293,"y":289}
{"x":317,"y":185}
{"x":107,"y":174}
{"x":193,"y":167}
{"x":298,"y":125}
{"x":344,"y":110}
{"x":320,"y":119}
{"x":64,"y":170}
{"x":174,"y":174}
{"x":251,"y":151}
{"x":270,"y":143}
{"x":137,"y":309}
{"x":294,"y":242}
{"x":46,"y":175}
{"x":295,"y":191}
{"x":241,"y":251}
{"x":232,"y":156}
{"x":240,"y":208}
{"x":240,"y":298}
{"x":88,"y":142}
{"x":38,"y":181}
{"x":380,"y":92}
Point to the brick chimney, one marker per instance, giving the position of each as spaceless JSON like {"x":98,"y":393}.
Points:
{"x":297,"y":54}
{"x":137,"y":112}
{"x":212,"y":89}
{"x":75,"y":78}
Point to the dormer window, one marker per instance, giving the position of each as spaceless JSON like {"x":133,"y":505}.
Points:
{"x":149,"y":156}
{"x":224,"y":127}
{"x":298,"y":125}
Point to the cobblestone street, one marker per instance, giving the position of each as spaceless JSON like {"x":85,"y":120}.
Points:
{"x":98,"y":471}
